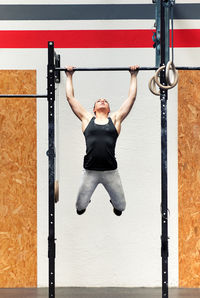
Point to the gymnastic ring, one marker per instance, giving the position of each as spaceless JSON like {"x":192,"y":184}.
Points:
{"x":152,"y":86}
{"x":170,"y":66}
{"x":158,"y":82}
{"x":56,"y":191}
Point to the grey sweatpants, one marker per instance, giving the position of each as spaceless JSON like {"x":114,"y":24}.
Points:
{"x":110,"y":180}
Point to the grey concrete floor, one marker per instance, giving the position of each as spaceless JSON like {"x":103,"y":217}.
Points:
{"x":100,"y":293}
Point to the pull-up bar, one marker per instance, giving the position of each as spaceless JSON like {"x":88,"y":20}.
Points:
{"x":187,"y":68}
{"x":105,"y":68}
{"x":122,"y":68}
{"x":22,"y":95}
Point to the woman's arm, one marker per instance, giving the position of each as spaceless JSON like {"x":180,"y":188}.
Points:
{"x":75,"y":105}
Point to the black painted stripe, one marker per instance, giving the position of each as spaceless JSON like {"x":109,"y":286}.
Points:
{"x":76,"y":12}
{"x":93,"y":12}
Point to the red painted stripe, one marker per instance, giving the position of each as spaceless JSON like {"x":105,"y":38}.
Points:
{"x":77,"y":38}
{"x":186,"y":38}
{"x":93,"y":38}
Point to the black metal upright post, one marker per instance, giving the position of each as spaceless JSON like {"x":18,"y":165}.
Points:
{"x":51,"y":158}
{"x":164,"y":185}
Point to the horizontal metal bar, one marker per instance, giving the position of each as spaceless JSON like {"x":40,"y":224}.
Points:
{"x":105,"y":68}
{"x":123,"y":68}
{"x":22,"y":95}
{"x":187,"y":68}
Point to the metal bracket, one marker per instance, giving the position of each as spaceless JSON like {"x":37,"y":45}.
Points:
{"x":169,"y":3}
{"x":50,"y":152}
{"x":156,"y":41}
{"x":57,"y":64}
{"x":51,"y":252}
{"x":164,"y":248}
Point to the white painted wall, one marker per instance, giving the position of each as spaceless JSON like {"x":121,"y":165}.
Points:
{"x":98,"y":248}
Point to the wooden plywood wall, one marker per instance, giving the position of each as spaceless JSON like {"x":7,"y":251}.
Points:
{"x":189,"y":178}
{"x":18,"y":201}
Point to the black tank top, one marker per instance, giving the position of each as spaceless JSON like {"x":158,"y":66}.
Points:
{"x":100,"y":146}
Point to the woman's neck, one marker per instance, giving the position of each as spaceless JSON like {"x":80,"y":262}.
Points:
{"x":101,"y":118}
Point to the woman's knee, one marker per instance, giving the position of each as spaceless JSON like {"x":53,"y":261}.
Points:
{"x":119,"y":203}
{"x":82,"y":203}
